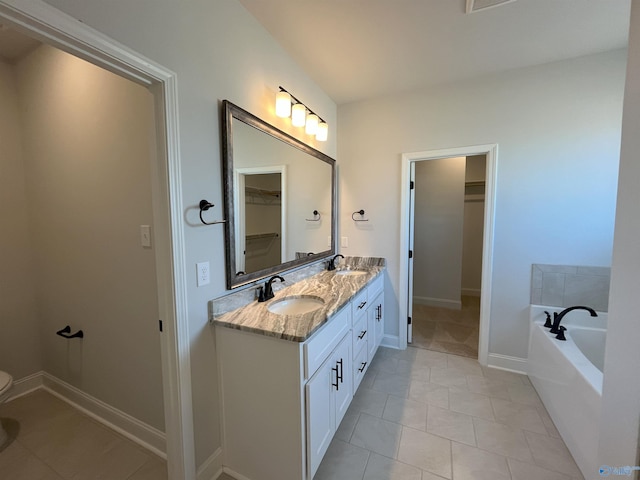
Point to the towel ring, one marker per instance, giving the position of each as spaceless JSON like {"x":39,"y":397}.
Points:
{"x":204,"y":206}
{"x":361,"y":213}
{"x":314,"y":219}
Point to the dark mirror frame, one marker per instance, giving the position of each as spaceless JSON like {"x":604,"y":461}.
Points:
{"x":232,"y":113}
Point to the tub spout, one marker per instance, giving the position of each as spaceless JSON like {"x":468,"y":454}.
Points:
{"x":557,"y":317}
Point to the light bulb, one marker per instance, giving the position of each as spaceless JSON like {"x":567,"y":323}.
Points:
{"x":298,"y":114}
{"x":283,"y":104}
{"x":311,"y":127}
{"x":323,"y":132}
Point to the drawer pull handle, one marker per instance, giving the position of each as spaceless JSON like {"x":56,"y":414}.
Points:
{"x":337,"y":385}
{"x":362,"y":334}
{"x":361,"y":306}
{"x":339,"y":377}
{"x":361,"y":369}
{"x":379,"y":312}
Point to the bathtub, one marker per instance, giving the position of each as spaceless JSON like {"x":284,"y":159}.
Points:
{"x":568,"y":379}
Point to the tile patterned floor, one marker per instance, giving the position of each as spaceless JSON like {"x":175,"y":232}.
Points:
{"x":425,"y":415}
{"x":418,"y":415}
{"x":446,"y":330}
{"x":53,"y":441}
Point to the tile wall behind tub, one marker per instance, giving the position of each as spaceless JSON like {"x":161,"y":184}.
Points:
{"x":568,"y":285}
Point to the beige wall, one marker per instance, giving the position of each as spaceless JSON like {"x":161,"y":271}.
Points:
{"x":473,"y":228}
{"x":20,"y":353}
{"x":438,"y":227}
{"x":218,"y":51}
{"x":88,"y":147}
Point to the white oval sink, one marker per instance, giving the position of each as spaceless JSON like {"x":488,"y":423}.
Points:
{"x":350,"y":272}
{"x":296,"y":305}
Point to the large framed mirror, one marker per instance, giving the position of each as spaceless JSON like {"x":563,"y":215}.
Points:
{"x":280,"y":199}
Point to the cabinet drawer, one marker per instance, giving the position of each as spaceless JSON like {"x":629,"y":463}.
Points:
{"x":359,"y":305}
{"x":322,"y":343}
{"x":360,"y":364}
{"x":360,"y":334}
{"x":375,"y":287}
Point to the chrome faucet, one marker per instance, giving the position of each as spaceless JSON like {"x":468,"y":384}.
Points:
{"x":332,"y":262}
{"x":557,"y":318}
{"x":268,"y":289}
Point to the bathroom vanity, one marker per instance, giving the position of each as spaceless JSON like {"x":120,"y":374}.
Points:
{"x":287,"y":379}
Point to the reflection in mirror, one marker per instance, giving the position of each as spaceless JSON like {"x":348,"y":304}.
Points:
{"x":274,"y":184}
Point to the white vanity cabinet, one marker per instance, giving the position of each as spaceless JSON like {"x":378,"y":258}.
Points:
{"x":328,"y":396}
{"x":368,"y":328}
{"x":282,"y":401}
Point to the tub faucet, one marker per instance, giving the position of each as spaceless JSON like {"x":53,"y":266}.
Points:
{"x":557,"y":317}
{"x":268,"y":289}
{"x":332,"y":262}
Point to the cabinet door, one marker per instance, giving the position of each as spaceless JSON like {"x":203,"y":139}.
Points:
{"x":321,"y":414}
{"x":376,"y":324}
{"x":379,"y":319}
{"x":343,"y":392}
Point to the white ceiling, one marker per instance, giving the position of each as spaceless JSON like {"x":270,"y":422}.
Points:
{"x":358,"y":49}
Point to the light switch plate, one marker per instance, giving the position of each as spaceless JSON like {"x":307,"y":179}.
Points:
{"x":145,"y":236}
{"x":344,"y":242}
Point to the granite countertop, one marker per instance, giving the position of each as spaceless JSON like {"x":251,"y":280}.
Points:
{"x":335,"y":289}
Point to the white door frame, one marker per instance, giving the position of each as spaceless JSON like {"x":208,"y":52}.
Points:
{"x":55,"y":28}
{"x":239,"y":206}
{"x":491,"y":151}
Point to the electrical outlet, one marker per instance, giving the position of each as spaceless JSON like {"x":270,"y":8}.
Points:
{"x":202,"y":270}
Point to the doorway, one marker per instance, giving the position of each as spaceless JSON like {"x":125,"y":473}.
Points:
{"x":409,"y":162}
{"x":447,"y":213}
{"x":54,"y":28}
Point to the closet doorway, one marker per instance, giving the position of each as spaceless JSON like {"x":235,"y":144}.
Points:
{"x":447,"y":279}
{"x":447,"y":254}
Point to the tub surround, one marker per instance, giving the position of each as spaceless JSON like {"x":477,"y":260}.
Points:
{"x":567,"y":285}
{"x":334,"y":288}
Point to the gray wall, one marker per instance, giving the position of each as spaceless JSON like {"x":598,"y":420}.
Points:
{"x":218,"y":51}
{"x":558,"y":130}
{"x":621,"y":389}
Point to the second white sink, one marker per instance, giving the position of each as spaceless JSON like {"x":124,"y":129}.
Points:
{"x":296,"y":305}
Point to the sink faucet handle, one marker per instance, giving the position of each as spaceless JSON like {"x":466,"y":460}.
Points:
{"x":548,"y":323}
{"x":260,"y":294}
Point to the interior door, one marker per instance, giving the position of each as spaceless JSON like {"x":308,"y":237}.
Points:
{"x":412,"y":205}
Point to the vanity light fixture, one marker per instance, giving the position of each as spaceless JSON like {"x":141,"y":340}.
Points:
{"x":301,"y":115}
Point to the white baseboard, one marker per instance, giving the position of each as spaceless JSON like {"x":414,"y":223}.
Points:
{"x":139,"y":432}
{"x":470,"y":292}
{"x":390,"y":341}
{"x":438,"y":302}
{"x":26,"y":385}
{"x":211,"y":468}
{"x":505,"y":362}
